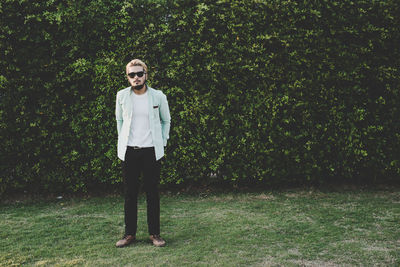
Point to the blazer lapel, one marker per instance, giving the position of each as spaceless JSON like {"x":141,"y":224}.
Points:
{"x":151,"y":113}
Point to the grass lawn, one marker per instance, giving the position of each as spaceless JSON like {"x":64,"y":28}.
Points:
{"x":271,"y":228}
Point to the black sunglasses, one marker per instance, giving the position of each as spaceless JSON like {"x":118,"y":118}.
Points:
{"x":133,"y":74}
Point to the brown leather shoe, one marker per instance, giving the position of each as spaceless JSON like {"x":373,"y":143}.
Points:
{"x":125,"y":241}
{"x":157,"y":240}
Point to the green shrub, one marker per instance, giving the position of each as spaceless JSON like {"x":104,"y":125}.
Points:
{"x":273,"y":91}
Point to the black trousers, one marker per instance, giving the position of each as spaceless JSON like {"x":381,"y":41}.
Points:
{"x":137,"y":162}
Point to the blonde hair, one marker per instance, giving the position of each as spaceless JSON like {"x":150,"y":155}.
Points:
{"x":136,"y":62}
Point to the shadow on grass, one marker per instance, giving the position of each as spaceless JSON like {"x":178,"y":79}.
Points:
{"x":205,"y":187}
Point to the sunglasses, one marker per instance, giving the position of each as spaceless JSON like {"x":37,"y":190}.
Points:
{"x":133,"y":74}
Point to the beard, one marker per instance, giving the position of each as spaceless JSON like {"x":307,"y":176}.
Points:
{"x":139,"y":86}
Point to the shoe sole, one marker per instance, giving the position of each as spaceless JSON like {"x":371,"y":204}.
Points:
{"x":122,"y":246}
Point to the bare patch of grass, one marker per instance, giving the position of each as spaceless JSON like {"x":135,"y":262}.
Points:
{"x":265,"y":197}
{"x":314,"y":263}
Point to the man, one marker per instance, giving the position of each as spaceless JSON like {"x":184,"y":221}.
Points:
{"x":143,"y":123}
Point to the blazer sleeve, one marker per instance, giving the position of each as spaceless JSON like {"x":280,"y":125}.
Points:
{"x":165,"y":118}
{"x":118,"y":114}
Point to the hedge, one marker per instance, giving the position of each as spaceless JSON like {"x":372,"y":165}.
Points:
{"x":279,"y":92}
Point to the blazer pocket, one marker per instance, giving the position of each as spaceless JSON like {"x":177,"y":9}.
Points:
{"x":156,"y":112}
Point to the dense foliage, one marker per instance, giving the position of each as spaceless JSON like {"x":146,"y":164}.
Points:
{"x":273,"y":91}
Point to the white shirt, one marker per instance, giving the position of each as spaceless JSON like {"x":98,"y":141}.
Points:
{"x":140,"y":133}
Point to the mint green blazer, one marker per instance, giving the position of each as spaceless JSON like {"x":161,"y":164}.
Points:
{"x":159,"y":116}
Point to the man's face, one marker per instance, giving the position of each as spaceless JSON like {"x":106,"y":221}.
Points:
{"x":133,"y":76}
